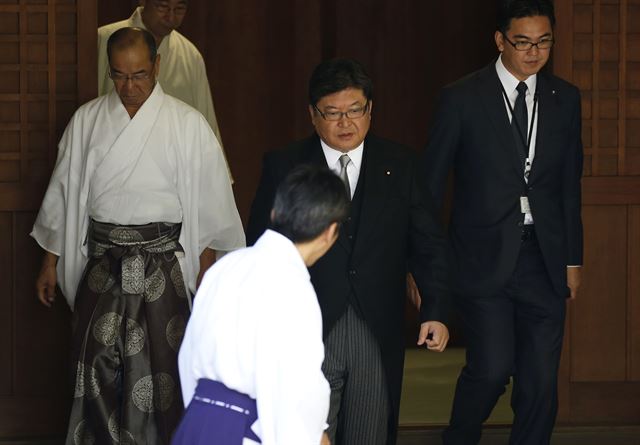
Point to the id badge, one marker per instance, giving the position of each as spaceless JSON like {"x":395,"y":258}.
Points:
{"x":524,"y":205}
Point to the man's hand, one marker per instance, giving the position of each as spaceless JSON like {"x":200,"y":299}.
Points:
{"x":574,"y":278}
{"x":325,"y":439}
{"x":46,"y":281}
{"x":207,"y":258}
{"x":439,"y":335}
{"x":412,"y":292}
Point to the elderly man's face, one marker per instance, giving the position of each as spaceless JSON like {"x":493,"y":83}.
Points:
{"x":133,"y":75}
{"x":163,"y":16}
{"x":345,"y":133}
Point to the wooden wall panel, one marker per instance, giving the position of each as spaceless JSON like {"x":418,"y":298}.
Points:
{"x":599,"y":317}
{"x":45,"y":74}
{"x":6,"y":305}
{"x":633,"y":285}
{"x":598,"y":49}
{"x":113,"y":11}
{"x":606,"y":404}
{"x":605,"y":69}
{"x":42,"y":335}
{"x":253,"y":76}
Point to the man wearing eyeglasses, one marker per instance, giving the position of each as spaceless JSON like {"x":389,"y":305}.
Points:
{"x":511,"y":134}
{"x":360,"y":282}
{"x":128,"y":230}
{"x":183,"y":72}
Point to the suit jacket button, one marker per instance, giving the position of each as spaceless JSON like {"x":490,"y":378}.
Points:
{"x":350,"y":236}
{"x":530,"y":188}
{"x":352,"y":272}
{"x":520,"y":224}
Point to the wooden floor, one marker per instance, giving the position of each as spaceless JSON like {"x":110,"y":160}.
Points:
{"x":492,"y":436}
{"x":427,"y":393}
{"x":428,"y":386}
{"x":561,"y":436}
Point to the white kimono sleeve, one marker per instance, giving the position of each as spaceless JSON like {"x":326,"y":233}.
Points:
{"x":61,"y":224}
{"x":210,"y":216}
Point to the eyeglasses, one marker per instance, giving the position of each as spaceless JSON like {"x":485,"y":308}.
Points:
{"x":164,"y":8}
{"x":135,"y":78}
{"x":525,"y":45}
{"x":353,"y":113}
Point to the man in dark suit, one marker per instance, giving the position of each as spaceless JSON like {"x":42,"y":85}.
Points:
{"x":515,"y":227}
{"x":361,"y":281}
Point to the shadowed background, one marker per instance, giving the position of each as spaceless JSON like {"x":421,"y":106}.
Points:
{"x":259,"y":55}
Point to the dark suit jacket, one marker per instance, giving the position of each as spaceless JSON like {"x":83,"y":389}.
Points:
{"x":396,"y":229}
{"x":472,"y":133}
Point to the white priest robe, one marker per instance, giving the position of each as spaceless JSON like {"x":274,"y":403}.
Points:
{"x":162,"y":165}
{"x":182,"y":69}
{"x":256,"y":326}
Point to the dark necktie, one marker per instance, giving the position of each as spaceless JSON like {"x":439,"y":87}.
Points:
{"x":344,"y":162}
{"x":519,"y":122}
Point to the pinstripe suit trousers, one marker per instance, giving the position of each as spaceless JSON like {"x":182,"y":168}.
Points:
{"x":359,"y":407}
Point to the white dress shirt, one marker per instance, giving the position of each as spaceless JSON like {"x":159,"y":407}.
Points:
{"x":510,"y":83}
{"x":353,"y":169}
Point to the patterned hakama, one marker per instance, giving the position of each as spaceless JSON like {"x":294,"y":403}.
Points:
{"x":129,"y":319}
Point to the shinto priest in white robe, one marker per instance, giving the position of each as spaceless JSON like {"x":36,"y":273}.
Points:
{"x":183,"y":73}
{"x":256,"y":327}
{"x":164,"y":164}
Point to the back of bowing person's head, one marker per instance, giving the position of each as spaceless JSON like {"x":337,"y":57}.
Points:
{"x":307,"y":202}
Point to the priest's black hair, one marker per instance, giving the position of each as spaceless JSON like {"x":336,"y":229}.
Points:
{"x":307,"y":202}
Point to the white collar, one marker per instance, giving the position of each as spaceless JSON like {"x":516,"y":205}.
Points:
{"x":510,"y":82}
{"x":332,"y":155}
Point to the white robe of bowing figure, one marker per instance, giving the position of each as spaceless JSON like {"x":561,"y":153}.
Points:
{"x":256,"y":327}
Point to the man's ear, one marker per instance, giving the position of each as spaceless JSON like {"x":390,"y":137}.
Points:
{"x":499,"y":38}
{"x":272,"y":215}
{"x":331,"y":232}
{"x":312,"y":115}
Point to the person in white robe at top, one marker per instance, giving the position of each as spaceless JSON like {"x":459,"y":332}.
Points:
{"x":183,"y":74}
{"x":255,"y":334}
{"x":140,"y":199}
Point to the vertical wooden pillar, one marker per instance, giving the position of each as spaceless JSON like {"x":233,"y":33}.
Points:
{"x":599,"y":50}
{"x":46,"y":71}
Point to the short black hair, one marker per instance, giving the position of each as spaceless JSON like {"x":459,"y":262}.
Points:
{"x":307,"y":202}
{"x":127,"y":37}
{"x":335,"y":75}
{"x":517,"y":9}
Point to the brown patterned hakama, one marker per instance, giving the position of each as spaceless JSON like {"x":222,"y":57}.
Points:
{"x":129,"y":319}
